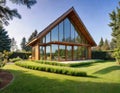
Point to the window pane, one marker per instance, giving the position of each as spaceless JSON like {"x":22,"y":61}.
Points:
{"x":48,"y":37}
{"x":62,"y":52}
{"x":61,"y":31}
{"x":42,"y":53}
{"x":54,"y":34}
{"x":48,"y":52}
{"x":54,"y":52}
{"x":67,"y":29}
{"x":69,"y":52}
{"x":72,"y":33}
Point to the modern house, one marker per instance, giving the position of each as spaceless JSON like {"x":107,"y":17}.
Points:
{"x":65,"y":39}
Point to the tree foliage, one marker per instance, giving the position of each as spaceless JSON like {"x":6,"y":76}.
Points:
{"x":4,"y":40}
{"x":115,"y":25}
{"x":7,"y":14}
{"x":23,"y":45}
{"x":13,"y":45}
{"x":33,"y":35}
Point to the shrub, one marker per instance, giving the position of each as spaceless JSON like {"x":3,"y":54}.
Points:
{"x":52,"y":69}
{"x":104,"y":55}
{"x":15,"y":59}
{"x":22,"y":55}
{"x":67,"y":64}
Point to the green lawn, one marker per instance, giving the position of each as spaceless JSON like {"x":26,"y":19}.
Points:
{"x":106,"y":79}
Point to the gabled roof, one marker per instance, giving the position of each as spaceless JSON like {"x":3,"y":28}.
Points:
{"x":75,"y":19}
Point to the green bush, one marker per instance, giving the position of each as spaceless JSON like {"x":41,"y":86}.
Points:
{"x":22,"y":55}
{"x":52,"y":69}
{"x":15,"y":59}
{"x":67,"y":64}
{"x":104,"y":55}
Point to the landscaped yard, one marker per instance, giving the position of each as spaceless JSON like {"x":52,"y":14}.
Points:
{"x":106,"y":79}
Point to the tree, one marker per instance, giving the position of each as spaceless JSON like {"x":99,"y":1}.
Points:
{"x":33,"y":35}
{"x":106,"y":45}
{"x":23,"y":45}
{"x":4,"y":40}
{"x":13,"y":45}
{"x":7,"y":14}
{"x":101,"y":42}
{"x":115,"y":25}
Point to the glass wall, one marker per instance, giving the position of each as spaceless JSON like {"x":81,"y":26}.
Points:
{"x":62,"y":52}
{"x":54,"y":34}
{"x":69,"y":53}
{"x":48,"y":53}
{"x":42,"y":53}
{"x":54,"y":52}
{"x":64,"y":32}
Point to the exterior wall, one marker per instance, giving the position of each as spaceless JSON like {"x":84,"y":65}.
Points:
{"x":36,"y":52}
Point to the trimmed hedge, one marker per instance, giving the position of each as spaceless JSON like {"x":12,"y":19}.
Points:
{"x":104,"y":55}
{"x":67,"y":64}
{"x":15,"y":59}
{"x":52,"y":69}
{"x":22,"y":55}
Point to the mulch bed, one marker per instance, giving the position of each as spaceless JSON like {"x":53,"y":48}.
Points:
{"x":6,"y":77}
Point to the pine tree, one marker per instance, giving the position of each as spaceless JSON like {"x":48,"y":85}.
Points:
{"x":115,"y":25}
{"x":23,"y":44}
{"x":7,"y":14}
{"x":33,"y":35}
{"x":101,"y":42}
{"x":13,"y":45}
{"x":4,"y":40}
{"x":106,"y":45}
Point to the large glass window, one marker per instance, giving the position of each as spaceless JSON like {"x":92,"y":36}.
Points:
{"x":67,"y":30}
{"x":48,"y":53}
{"x":54,"y":34}
{"x":72,"y":33}
{"x":61,"y":34}
{"x":54,"y":52}
{"x":42,"y":54}
{"x":48,"y":37}
{"x":62,"y":52}
{"x":69,"y":52}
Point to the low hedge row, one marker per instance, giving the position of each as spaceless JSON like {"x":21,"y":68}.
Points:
{"x":67,"y":64}
{"x":52,"y":69}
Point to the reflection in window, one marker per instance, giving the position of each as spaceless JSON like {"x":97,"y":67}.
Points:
{"x":72,"y":34}
{"x":48,"y":52}
{"x":62,"y":52}
{"x":67,"y":30}
{"x":54,"y":34}
{"x":48,"y":37}
{"x":69,"y":53}
{"x":42,"y":53}
{"x":54,"y":52}
{"x":61,"y":32}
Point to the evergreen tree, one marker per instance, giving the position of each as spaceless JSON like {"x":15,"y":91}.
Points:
{"x":23,"y":44}
{"x":115,"y":25}
{"x":101,"y":42}
{"x":33,"y":35}
{"x":106,"y":45}
{"x":13,"y":45}
{"x":7,"y":14}
{"x":4,"y":40}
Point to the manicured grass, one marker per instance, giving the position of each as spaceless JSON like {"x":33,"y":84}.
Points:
{"x":106,"y":79}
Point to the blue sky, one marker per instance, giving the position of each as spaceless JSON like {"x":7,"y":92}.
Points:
{"x":93,"y":13}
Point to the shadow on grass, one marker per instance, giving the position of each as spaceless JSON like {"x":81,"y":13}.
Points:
{"x":25,"y":82}
{"x":93,"y":63}
{"x":107,"y":70}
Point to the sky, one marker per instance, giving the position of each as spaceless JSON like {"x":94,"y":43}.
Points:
{"x":93,"y":13}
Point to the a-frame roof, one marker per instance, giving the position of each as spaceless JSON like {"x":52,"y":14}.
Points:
{"x":75,"y":19}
